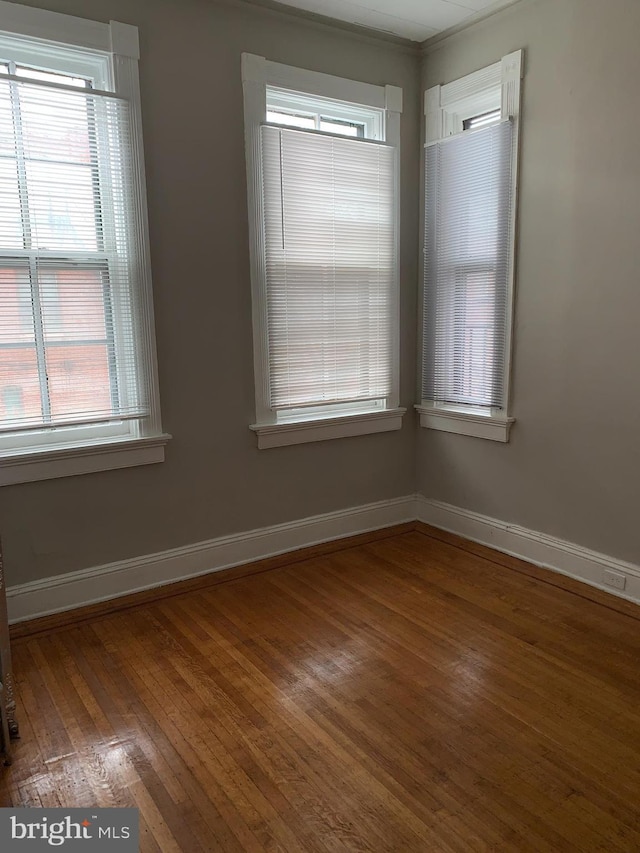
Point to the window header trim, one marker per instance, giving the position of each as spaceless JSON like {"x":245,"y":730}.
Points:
{"x":114,"y":37}
{"x":257,"y":69}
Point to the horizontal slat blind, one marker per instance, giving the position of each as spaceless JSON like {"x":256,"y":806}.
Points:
{"x":466,"y":267}
{"x":330,"y":267}
{"x":69,"y":259}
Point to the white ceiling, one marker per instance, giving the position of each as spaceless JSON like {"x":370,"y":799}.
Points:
{"x":412,"y":19}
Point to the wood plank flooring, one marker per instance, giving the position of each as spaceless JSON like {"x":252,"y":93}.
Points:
{"x":407,"y":694}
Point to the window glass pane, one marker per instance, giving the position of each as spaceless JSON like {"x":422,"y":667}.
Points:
{"x":55,"y":125}
{"x":297,"y":109}
{"x":11,"y":236}
{"x":7,"y":138}
{"x":78,"y":349}
{"x":51,"y":77}
{"x":61,"y":182}
{"x":79,"y":381}
{"x":344,"y":128}
{"x":61,"y":206}
{"x":330,"y":255}
{"x":73,"y":305}
{"x":467,"y":232}
{"x":67,"y":222}
{"x":19,"y":384}
{"x":16,"y":313}
{"x":291,"y":119}
{"x":475,"y":333}
{"x":483,"y":120}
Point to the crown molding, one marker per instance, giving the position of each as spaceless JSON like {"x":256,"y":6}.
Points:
{"x":437,"y":41}
{"x":366,"y":34}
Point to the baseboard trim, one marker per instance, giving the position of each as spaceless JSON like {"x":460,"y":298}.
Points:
{"x":547,"y":552}
{"x":88,"y":587}
{"x":299,"y":540}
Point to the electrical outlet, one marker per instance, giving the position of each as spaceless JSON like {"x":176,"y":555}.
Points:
{"x":614,"y":579}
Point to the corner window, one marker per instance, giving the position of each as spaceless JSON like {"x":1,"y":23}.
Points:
{"x":77,"y":361}
{"x":323,"y":202}
{"x":470,"y":204}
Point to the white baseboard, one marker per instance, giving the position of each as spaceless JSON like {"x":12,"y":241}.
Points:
{"x":538,"y":548}
{"x":89,"y":586}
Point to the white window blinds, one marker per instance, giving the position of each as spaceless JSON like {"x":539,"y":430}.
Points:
{"x":467,"y":261}
{"x":329,"y":251}
{"x":69,"y":259}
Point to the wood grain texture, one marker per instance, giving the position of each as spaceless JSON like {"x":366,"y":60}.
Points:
{"x":407,"y":694}
{"x":47,"y":624}
{"x":570,"y":584}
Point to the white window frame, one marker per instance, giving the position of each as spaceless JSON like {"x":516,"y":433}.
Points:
{"x":108,"y":54}
{"x":446,"y":109}
{"x":258,"y":75}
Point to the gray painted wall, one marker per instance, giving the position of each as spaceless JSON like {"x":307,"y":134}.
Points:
{"x":572,"y":468}
{"x":215,"y":481}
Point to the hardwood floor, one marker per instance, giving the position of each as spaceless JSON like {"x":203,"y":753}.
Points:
{"x":409,"y":694}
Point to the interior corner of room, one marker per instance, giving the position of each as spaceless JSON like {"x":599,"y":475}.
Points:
{"x":567,"y":471}
{"x":514,"y":429}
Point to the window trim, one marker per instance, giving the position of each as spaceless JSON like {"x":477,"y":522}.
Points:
{"x":110,"y":52}
{"x":322,"y":429}
{"x":81,"y":458}
{"x":446,"y":109}
{"x":258,"y":74}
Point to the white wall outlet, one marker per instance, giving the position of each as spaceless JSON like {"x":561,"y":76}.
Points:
{"x":614,"y":579}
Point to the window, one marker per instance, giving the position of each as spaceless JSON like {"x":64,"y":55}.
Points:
{"x":470,"y":202}
{"x":322,"y":164}
{"x":484,"y":120}
{"x":78,"y":390}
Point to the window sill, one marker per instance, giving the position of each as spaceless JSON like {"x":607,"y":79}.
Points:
{"x":490,"y":427}
{"x":70,"y":460}
{"x":301,"y":432}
